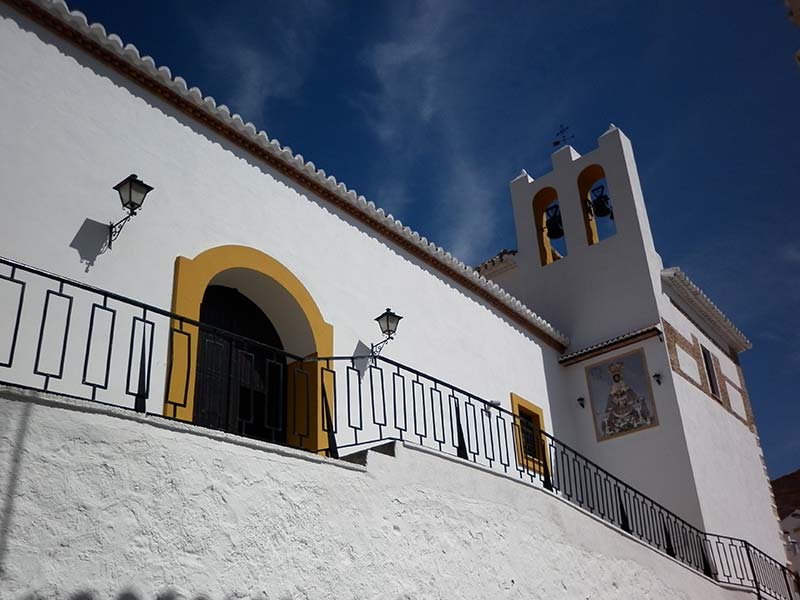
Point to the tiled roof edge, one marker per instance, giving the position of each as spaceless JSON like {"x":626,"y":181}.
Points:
{"x":497,"y":258}
{"x":688,"y":291}
{"x":651,"y":329}
{"x":146,"y":66}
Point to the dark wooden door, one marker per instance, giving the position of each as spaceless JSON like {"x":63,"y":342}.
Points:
{"x":241,"y":385}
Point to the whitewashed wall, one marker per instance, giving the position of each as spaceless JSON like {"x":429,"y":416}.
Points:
{"x":733,"y":491}
{"x":654,"y":460}
{"x":103,"y":502}
{"x":70,"y":129}
{"x":726,"y":460}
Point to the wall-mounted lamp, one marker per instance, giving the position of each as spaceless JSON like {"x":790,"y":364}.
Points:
{"x":132,"y":192}
{"x":582,"y":401}
{"x":657,"y":377}
{"x":388,"y":322}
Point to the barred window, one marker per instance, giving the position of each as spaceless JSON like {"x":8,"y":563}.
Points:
{"x":531,"y":427}
{"x":530,"y":441}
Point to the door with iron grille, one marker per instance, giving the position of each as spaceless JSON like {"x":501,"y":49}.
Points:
{"x":241,"y":384}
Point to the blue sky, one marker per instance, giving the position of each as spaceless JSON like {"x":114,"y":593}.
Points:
{"x":430,"y":108}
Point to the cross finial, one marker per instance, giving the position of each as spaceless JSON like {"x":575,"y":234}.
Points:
{"x":563,"y":136}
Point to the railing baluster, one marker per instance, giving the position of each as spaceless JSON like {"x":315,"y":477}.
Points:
{"x":17,"y":316}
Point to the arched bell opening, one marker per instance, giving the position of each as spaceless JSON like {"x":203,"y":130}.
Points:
{"x":250,"y":368}
{"x":549,"y":226}
{"x":596,"y":205}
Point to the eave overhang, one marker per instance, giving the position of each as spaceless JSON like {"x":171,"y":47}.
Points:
{"x":678,"y":285}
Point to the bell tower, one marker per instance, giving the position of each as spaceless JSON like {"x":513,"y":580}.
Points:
{"x":639,"y":384}
{"x":602,"y":282}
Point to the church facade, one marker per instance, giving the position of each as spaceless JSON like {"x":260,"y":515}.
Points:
{"x":199,"y":374}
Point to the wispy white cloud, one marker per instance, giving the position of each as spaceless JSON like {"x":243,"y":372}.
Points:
{"x":269,"y":61}
{"x":408,"y":69}
{"x":254,"y":81}
{"x":468,"y":199}
{"x":442,"y":72}
{"x":790,"y":253}
{"x":719,"y":263}
{"x":412,"y":115}
{"x":393,"y":196}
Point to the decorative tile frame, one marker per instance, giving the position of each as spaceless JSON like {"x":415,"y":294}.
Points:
{"x":649,"y":398}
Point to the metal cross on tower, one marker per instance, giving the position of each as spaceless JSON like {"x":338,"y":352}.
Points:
{"x":562,"y":135}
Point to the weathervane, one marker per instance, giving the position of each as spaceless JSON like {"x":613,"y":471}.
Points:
{"x":563,"y":138}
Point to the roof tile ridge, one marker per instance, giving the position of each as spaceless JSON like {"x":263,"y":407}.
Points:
{"x":147,"y":65}
{"x":702,"y":298}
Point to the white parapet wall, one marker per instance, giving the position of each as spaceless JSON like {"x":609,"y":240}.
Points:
{"x":101,"y":502}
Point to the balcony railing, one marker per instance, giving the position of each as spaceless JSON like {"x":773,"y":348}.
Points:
{"x":65,"y":337}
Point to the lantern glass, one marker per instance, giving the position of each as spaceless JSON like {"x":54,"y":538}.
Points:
{"x":388,"y":322}
{"x":132,"y":192}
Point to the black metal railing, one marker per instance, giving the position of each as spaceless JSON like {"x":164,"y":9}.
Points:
{"x":387,"y":400}
{"x":69,"y":338}
{"x":76,"y":340}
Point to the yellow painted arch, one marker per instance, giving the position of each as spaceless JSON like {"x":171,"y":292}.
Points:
{"x":192,"y":277}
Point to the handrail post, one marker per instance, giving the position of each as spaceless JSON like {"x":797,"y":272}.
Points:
{"x":752,"y":569}
{"x":142,"y":391}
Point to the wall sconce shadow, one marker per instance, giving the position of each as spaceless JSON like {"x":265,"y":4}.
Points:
{"x":91,"y":240}
{"x":361,"y":359}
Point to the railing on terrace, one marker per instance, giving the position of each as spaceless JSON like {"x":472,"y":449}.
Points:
{"x":68,"y":338}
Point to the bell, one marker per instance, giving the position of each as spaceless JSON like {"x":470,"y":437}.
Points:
{"x":555,"y":229}
{"x":601,"y":204}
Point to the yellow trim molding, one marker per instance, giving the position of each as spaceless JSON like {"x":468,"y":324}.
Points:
{"x":531,"y":463}
{"x":192,"y":277}
{"x":586,"y":180}
{"x":544,"y":198}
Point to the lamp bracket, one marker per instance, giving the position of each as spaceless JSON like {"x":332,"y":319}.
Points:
{"x":375,"y":349}
{"x":114,"y":229}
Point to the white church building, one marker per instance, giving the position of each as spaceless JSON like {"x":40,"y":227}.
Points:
{"x":196,"y":401}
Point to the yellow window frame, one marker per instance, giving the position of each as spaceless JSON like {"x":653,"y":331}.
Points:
{"x":531,"y":463}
